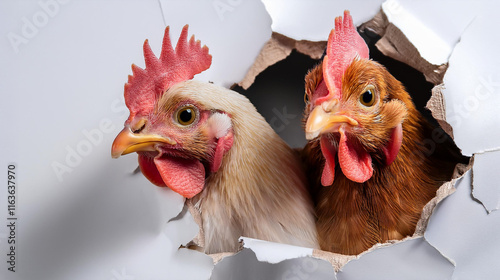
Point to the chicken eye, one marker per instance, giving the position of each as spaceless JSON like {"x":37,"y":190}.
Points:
{"x":186,"y":115}
{"x":367,"y":98}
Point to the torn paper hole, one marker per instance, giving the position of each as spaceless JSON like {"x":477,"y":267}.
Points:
{"x":461,"y":225}
{"x":395,"y":45}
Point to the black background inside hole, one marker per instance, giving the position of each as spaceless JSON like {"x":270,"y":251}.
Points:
{"x":278,"y":92}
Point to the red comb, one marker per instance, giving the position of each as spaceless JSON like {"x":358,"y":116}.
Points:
{"x":145,"y":86}
{"x":344,"y":44}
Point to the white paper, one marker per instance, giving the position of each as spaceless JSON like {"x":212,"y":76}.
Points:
{"x":472,"y":87}
{"x":272,"y":252}
{"x":313,"y":20}
{"x":462,"y":230}
{"x":433,"y":27}
{"x":245,"y":265}
{"x":485,"y":186}
{"x":80,"y":214}
{"x":446,"y":18}
{"x":410,"y":259}
{"x":234,"y":31}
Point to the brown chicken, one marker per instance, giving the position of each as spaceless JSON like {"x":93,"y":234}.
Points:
{"x":210,"y":145}
{"x":370,"y":171}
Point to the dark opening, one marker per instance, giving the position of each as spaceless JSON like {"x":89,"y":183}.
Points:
{"x":278,"y":94}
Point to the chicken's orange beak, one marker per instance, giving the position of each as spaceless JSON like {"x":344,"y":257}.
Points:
{"x":324,"y":118}
{"x":128,"y":142}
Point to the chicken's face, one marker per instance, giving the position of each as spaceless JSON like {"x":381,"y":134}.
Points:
{"x":171,"y":125}
{"x":355,"y":108}
{"x":178,"y":143}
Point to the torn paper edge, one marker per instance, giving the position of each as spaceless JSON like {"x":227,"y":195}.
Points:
{"x":338,"y":261}
{"x":199,"y":239}
{"x":279,"y":251}
{"x":198,"y":242}
{"x":437,"y":106}
{"x":395,"y":44}
{"x":403,"y":242}
{"x":272,"y":252}
{"x":277,"y":49}
{"x":453,"y":182}
{"x":418,"y":34}
{"x":444,"y":191}
{"x":477,"y":197}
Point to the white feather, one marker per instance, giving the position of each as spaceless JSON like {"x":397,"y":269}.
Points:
{"x":260,"y":189}
{"x":220,"y":124}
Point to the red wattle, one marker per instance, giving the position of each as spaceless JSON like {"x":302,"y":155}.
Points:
{"x":224,"y":144}
{"x":148,"y":168}
{"x":329,"y":153}
{"x":356,"y":164}
{"x":184,"y":176}
{"x":392,"y":148}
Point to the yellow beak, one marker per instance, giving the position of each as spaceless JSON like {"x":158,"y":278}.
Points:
{"x":128,"y":142}
{"x":322,"y":121}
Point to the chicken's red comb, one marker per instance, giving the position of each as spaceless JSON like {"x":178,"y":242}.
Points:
{"x":344,"y":44}
{"x":146,"y":86}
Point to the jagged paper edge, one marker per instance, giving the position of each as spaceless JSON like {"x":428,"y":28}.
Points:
{"x":277,"y":49}
{"x":479,"y":190}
